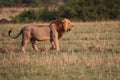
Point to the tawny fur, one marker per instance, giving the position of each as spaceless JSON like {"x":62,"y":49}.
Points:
{"x":51,"y":32}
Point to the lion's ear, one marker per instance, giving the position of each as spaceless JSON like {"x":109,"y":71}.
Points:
{"x":64,"y":24}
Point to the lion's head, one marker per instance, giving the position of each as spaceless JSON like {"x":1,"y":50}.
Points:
{"x":63,"y":25}
{"x":67,"y":25}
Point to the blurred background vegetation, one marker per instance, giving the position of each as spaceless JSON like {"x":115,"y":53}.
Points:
{"x":79,"y":10}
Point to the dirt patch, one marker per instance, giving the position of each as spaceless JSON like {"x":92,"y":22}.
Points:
{"x":4,"y":21}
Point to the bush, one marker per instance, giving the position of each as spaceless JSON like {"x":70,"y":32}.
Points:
{"x":28,"y":3}
{"x":47,"y":15}
{"x":67,"y":12}
{"x":85,"y":10}
{"x":32,"y":15}
{"x":8,"y":3}
{"x":25,"y":16}
{"x":88,"y":10}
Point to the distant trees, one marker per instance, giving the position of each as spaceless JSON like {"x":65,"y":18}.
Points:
{"x":93,"y":9}
{"x":8,"y":3}
{"x":32,"y":15}
{"x":28,"y":3}
{"x":85,"y":10}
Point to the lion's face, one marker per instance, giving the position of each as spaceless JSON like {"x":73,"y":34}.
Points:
{"x":67,"y":25}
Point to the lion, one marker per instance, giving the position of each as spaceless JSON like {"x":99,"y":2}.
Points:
{"x":53,"y":32}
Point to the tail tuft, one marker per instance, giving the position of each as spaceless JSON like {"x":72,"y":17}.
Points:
{"x":9,"y":32}
{"x":14,"y":36}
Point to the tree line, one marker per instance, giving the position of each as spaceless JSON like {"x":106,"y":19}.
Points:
{"x":84,"y":10}
{"x":28,"y":3}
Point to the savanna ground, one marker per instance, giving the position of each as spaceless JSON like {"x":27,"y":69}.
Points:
{"x":91,"y":51}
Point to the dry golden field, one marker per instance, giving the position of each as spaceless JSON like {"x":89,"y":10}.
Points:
{"x":91,"y":51}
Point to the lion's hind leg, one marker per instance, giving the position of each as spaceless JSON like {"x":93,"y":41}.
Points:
{"x":33,"y":42}
{"x":24,"y":43}
{"x":25,"y":40}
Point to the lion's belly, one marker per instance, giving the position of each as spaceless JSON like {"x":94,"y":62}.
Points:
{"x":41,"y":34}
{"x":41,"y":38}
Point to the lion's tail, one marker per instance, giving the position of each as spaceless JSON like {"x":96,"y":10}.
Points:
{"x":14,"y":36}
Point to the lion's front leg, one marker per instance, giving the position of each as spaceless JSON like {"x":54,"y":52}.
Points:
{"x":53,"y":45}
{"x":55,"y":41}
{"x":56,"y":44}
{"x":54,"y":37}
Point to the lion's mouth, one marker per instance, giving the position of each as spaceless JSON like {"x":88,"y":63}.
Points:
{"x":69,"y":30}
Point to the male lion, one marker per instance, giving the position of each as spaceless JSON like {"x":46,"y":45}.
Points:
{"x":51,"y":32}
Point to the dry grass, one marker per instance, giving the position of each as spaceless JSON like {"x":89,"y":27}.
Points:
{"x":91,"y":51}
{"x":6,"y":13}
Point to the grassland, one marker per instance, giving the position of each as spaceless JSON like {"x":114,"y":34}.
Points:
{"x":90,"y":52}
